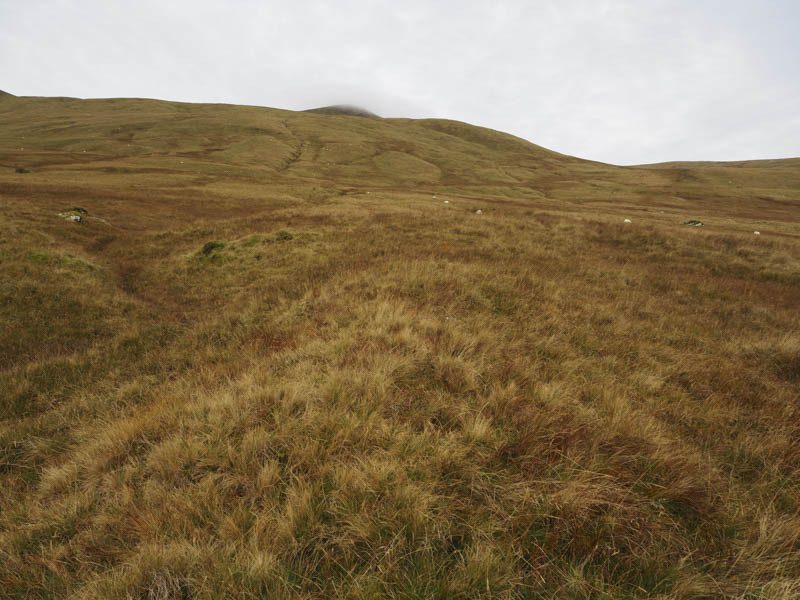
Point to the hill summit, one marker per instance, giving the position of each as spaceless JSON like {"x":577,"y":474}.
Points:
{"x":344,"y":109}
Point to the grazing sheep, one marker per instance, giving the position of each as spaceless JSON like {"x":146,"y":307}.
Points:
{"x":627,"y":221}
{"x":479,"y":212}
{"x":757,"y":232}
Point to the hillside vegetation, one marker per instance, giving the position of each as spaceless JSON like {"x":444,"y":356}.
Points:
{"x":283,"y":356}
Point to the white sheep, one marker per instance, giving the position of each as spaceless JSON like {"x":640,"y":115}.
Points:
{"x":757,"y":232}
{"x":627,"y":221}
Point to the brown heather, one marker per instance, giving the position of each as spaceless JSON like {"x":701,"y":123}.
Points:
{"x":360,"y":391}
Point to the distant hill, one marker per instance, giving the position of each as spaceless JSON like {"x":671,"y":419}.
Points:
{"x":344,"y":109}
{"x":305,"y":148}
{"x":309,"y":149}
{"x":751,"y":164}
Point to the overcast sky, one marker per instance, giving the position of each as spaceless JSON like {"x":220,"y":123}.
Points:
{"x":620,"y":81}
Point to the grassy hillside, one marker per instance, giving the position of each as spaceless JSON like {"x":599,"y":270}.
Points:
{"x":283,"y":356}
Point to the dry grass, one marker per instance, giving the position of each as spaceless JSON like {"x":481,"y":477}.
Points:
{"x":363,"y":392}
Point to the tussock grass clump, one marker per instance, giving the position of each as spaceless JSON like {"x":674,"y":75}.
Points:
{"x":210,"y":248}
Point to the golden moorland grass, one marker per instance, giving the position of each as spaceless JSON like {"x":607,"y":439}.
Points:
{"x":283,"y":357}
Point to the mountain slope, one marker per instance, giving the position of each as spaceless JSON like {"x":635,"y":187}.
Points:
{"x":253,"y":353}
{"x":273,"y":140}
{"x":308,"y":151}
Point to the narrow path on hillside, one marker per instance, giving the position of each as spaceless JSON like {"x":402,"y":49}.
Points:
{"x":295,"y":156}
